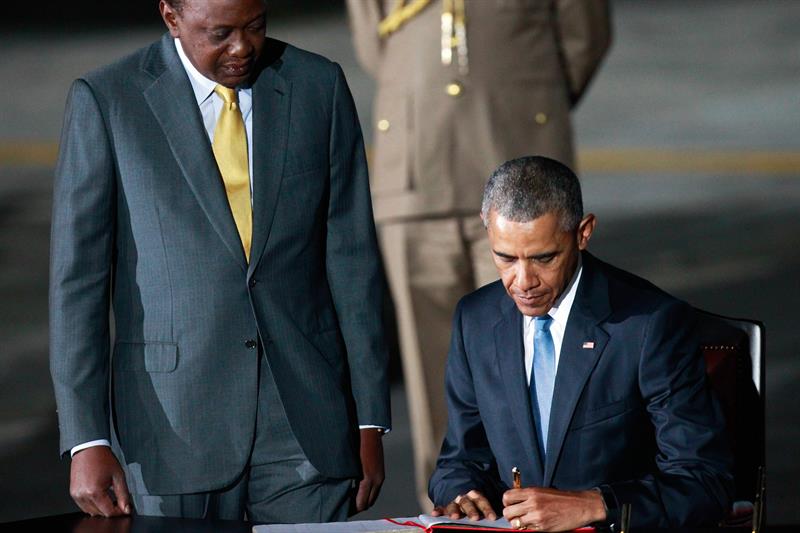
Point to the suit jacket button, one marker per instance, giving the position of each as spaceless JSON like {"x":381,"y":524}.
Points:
{"x":253,"y":282}
{"x":251,"y":344}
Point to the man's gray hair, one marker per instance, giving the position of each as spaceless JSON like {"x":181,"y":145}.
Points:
{"x":524,"y":189}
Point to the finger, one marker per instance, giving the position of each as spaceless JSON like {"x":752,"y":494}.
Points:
{"x":438,"y":511}
{"x":363,"y":495}
{"x":470,"y":509}
{"x":120,"y":489}
{"x":104,"y":503}
{"x":454,"y":509}
{"x":532,"y":521}
{"x":375,"y":492}
{"x":512,"y":496}
{"x":87,"y":506}
{"x":485,"y":508}
{"x":514,"y":511}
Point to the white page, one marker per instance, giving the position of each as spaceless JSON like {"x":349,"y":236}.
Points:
{"x":429,"y":520}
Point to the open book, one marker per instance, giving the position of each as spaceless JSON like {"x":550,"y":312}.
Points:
{"x":443,"y":523}
{"x":440,"y":522}
{"x":416,"y":524}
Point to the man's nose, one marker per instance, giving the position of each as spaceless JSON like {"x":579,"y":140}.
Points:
{"x":526,"y":278}
{"x":240,"y":46}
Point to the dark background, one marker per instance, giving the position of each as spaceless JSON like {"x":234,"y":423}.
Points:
{"x":689,"y":153}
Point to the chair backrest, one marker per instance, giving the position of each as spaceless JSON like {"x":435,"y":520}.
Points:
{"x":734,"y":353}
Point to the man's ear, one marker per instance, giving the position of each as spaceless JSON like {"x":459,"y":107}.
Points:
{"x":585,"y":229}
{"x":170,"y":17}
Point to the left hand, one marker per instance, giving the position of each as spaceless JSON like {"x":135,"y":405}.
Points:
{"x":372,"y":463}
{"x":545,"y":509}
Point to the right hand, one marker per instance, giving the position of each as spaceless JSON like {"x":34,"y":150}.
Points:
{"x":473,"y":505}
{"x":95,"y":472}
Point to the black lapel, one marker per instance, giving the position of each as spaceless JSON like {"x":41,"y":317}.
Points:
{"x":511,"y":360}
{"x":171,"y":100}
{"x":577,"y":359}
{"x":271,"y":105}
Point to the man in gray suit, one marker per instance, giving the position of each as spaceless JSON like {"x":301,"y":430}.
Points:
{"x":211,"y":190}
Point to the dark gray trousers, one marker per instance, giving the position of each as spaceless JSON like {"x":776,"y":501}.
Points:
{"x":279,"y":485}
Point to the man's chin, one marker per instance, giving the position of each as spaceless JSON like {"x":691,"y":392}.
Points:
{"x":535,"y":309}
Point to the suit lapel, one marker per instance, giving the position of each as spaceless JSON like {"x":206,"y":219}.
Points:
{"x":171,"y":100}
{"x":271,"y":104}
{"x":511,"y":360}
{"x":576,"y":362}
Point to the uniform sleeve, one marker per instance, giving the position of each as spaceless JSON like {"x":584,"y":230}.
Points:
{"x":584,"y":30}
{"x":364,"y":17}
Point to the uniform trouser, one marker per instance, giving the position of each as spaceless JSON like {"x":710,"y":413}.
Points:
{"x":430,"y":265}
{"x":279,"y":484}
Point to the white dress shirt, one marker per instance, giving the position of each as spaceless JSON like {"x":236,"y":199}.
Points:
{"x":210,"y":104}
{"x":559,"y":313}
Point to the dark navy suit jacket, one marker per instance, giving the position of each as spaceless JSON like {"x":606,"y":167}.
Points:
{"x":632,"y":412}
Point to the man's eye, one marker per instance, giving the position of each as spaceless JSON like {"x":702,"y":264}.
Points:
{"x":220,"y":35}
{"x":546,"y":259}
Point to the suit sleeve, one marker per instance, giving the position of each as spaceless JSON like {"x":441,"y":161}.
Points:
{"x":693,"y":484}
{"x":584,"y":30}
{"x":81,"y":247}
{"x":466,"y":461}
{"x":353,"y":262}
{"x":364,"y":16}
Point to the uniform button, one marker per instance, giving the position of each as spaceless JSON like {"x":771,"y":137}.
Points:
{"x":253,"y":282}
{"x":453,"y":89}
{"x":251,"y":344}
{"x":541,"y":118}
{"x":383,"y":125}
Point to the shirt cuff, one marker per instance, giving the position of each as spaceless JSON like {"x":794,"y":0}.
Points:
{"x":384,"y":430}
{"x":612,"y":506}
{"x":79,"y":447}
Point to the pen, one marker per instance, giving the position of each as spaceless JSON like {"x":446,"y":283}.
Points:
{"x":626,"y":518}
{"x":517,"y":477}
{"x":758,"y":512}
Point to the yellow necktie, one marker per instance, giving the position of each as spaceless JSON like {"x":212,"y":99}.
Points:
{"x":230,"y":151}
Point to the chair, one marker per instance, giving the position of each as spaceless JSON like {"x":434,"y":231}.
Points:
{"x":734,"y":353}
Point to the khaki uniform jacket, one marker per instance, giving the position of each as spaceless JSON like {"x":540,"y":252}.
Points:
{"x":529,"y":63}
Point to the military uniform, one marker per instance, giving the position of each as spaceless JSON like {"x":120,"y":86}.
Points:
{"x":440,"y":130}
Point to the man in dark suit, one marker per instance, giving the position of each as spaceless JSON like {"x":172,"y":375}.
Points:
{"x":587,"y":378}
{"x":212,"y":190}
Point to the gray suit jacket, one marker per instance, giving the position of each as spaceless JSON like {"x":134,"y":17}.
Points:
{"x":141,"y":223}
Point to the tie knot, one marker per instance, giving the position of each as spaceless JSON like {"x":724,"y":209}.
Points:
{"x":227,"y":94}
{"x":542,"y":323}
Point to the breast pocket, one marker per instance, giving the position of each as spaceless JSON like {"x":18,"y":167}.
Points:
{"x":304,"y":156}
{"x":604,"y":413}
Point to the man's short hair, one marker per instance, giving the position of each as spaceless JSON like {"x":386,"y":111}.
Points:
{"x":526,"y":188}
{"x":177,"y":5}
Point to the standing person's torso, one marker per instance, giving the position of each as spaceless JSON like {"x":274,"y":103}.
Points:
{"x":434,"y":149}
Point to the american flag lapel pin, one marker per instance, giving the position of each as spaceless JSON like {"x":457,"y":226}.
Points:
{"x":588,"y":345}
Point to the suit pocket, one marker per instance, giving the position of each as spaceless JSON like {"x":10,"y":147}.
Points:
{"x":603,"y":413}
{"x":145,"y":356}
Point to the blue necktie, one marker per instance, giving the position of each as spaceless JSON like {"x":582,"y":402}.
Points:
{"x":543,"y":377}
